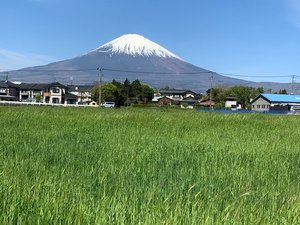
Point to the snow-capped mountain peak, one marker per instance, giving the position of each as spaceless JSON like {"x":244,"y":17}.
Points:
{"x":135,"y":45}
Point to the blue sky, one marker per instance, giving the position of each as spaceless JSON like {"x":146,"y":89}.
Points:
{"x":251,"y":37}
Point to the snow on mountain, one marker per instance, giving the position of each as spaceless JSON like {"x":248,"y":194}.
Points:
{"x":135,"y":45}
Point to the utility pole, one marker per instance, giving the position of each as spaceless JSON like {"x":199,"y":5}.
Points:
{"x":100,"y":69}
{"x":293,"y":80}
{"x":6,"y":81}
{"x":210,"y":92}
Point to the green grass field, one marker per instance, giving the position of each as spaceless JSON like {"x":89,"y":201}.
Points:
{"x":147,"y":166}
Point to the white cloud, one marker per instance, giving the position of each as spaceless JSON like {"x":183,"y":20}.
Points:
{"x":15,"y":60}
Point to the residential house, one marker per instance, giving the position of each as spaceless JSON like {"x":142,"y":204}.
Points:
{"x":83,"y":93}
{"x":232,"y":103}
{"x":188,"y":102}
{"x":207,"y":103}
{"x":31,"y":92}
{"x":184,"y":98}
{"x":163,"y":100}
{"x":266,"y":102}
{"x":8,"y":91}
{"x":176,"y":94}
{"x":54,"y":93}
{"x":70,"y":99}
{"x":57,"y":93}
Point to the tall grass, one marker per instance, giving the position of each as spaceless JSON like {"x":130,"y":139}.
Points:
{"x":147,"y":166}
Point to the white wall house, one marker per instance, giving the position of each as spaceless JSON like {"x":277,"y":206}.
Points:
{"x":83,"y":93}
{"x":53,"y":93}
{"x":177,"y":94}
{"x":232,"y":103}
{"x":31,"y":92}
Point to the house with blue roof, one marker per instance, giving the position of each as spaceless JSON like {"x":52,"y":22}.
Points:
{"x":265,"y":102}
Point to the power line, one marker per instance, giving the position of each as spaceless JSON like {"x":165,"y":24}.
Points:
{"x":37,"y":70}
{"x":154,"y":72}
{"x":257,"y":76}
{"x":151,"y":72}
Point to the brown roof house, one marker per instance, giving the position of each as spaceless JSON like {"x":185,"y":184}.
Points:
{"x":207,"y":103}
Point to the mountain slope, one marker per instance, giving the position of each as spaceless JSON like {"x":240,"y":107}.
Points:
{"x":150,"y":62}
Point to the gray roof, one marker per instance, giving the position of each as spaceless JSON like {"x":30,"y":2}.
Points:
{"x":6,"y":84}
{"x":56,"y":84}
{"x":32,"y":86}
{"x":174,"y":91}
{"x":70,"y":96}
{"x":80,"y":88}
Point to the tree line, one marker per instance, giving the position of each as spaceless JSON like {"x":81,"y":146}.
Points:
{"x":123,"y":94}
{"x":242,"y":94}
{"x":127,"y":93}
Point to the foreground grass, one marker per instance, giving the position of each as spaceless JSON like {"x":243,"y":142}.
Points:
{"x":144,"y":166}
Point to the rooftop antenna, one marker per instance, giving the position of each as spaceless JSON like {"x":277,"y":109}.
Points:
{"x":6,"y":77}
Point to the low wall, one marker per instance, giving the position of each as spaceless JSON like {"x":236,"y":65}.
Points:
{"x":14,"y":103}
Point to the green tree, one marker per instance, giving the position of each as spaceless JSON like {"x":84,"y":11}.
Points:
{"x":283,"y":92}
{"x":38,"y":97}
{"x":124,"y":94}
{"x":108,"y":92}
{"x":146,"y":94}
{"x":135,"y":91}
{"x":242,"y":94}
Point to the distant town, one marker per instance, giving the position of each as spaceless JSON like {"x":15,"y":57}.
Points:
{"x":134,"y":93}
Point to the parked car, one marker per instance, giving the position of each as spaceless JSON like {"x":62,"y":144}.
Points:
{"x":295,"y":108}
{"x":108,"y":104}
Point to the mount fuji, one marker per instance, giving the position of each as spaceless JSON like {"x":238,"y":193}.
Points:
{"x":132,"y":56}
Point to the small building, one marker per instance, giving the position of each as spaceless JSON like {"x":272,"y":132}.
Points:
{"x":232,"y":103}
{"x":164,"y":100}
{"x":93,"y":103}
{"x":207,"y":103}
{"x":266,"y":102}
{"x":188,"y":102}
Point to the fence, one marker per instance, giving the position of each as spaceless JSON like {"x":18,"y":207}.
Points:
{"x":14,"y":103}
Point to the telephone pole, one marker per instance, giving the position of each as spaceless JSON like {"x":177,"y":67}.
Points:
{"x":100,"y":69}
{"x":293,"y":81}
{"x":210,"y":92}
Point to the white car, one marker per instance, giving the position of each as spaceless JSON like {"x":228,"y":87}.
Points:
{"x":108,"y":104}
